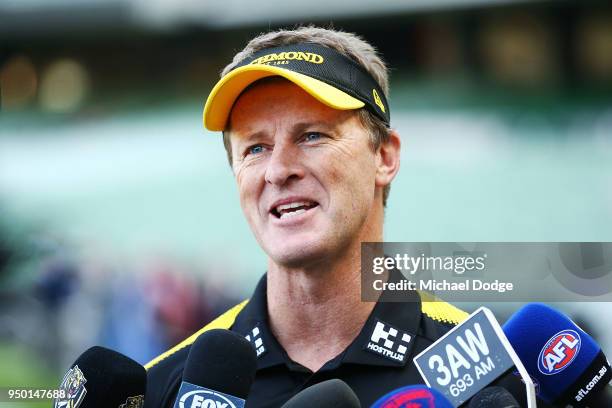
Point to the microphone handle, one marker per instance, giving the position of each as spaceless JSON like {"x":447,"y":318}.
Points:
{"x":591,"y":389}
{"x":602,"y":399}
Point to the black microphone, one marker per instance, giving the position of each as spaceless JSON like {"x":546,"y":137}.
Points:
{"x":219,"y":371}
{"x":333,"y":393}
{"x":103,"y":378}
{"x":493,"y":397}
{"x":601,"y":399}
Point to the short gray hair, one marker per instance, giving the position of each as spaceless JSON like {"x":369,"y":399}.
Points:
{"x":348,"y":44}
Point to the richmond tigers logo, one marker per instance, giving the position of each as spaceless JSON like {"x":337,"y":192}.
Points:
{"x":73,"y":384}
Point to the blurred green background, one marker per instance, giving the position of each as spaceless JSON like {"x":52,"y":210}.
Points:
{"x":119,"y":217}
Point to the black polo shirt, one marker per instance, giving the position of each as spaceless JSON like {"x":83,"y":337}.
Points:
{"x":376,"y":362}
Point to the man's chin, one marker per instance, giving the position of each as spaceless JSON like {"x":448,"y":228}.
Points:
{"x":297,"y":254}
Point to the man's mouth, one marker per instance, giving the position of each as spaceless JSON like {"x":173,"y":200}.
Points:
{"x":292,"y":209}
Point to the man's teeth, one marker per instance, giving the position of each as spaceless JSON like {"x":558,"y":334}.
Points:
{"x":293,"y":209}
{"x":292,"y":213}
{"x":293,"y":205}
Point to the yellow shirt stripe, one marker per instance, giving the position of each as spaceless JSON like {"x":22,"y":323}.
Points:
{"x":440,"y":310}
{"x":430,"y":305}
{"x":224,"y":321}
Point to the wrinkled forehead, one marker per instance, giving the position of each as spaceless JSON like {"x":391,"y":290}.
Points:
{"x":277,"y":100}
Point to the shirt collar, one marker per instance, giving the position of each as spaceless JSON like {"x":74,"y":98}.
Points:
{"x":388,"y":334}
{"x":252,"y":322}
{"x":386,"y":338}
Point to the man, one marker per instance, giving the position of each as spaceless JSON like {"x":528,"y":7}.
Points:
{"x":305,"y":123}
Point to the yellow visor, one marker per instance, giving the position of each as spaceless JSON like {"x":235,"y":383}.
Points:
{"x":223,"y":96}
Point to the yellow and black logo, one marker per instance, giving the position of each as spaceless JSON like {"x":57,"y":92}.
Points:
{"x":284,"y":57}
{"x":73,"y":387}
{"x":133,"y":402}
{"x":378,"y":101}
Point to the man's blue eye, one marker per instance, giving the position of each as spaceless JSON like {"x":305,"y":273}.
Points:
{"x":255,"y":149}
{"x":312,"y":136}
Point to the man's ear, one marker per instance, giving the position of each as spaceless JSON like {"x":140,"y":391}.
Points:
{"x":388,"y":159}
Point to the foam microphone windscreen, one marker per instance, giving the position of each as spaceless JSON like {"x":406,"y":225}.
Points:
{"x":103,"y":378}
{"x":493,"y":396}
{"x":564,"y":361}
{"x":333,"y":393}
{"x":223,"y":361}
{"x":413,"y":396}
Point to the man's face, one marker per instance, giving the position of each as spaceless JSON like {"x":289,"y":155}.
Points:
{"x":305,"y":173}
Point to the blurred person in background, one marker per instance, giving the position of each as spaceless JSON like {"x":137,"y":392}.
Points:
{"x":306,"y":127}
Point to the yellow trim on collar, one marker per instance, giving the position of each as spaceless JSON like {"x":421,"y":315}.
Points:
{"x":440,"y":310}
{"x":430,"y":305}
{"x":224,"y":321}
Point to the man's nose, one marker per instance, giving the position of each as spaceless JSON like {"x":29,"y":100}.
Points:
{"x":283,"y":165}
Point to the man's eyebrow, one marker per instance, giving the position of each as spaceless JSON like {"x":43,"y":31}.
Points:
{"x":296,"y":128}
{"x":253,"y":136}
{"x":302,"y":126}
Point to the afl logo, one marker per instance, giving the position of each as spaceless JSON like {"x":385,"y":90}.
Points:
{"x":413,"y":396}
{"x":419,"y":398}
{"x":559,"y":352}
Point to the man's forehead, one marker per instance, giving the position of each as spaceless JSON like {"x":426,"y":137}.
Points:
{"x":275,"y":99}
{"x":271,"y":80}
{"x":273,"y":88}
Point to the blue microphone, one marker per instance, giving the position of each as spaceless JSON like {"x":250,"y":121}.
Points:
{"x":413,"y":396}
{"x":566,"y":363}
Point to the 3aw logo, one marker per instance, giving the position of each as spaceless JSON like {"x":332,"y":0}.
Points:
{"x":385,"y":342}
{"x":205,"y":399}
{"x":559,"y":352}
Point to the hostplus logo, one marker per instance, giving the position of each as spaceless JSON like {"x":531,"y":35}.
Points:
{"x":387,"y":342}
{"x":255,"y":339}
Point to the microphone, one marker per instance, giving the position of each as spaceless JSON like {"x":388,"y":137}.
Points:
{"x":568,"y":365}
{"x":413,"y":396}
{"x":103,"y":378}
{"x":333,"y":393}
{"x":469,"y":358}
{"x":493,"y":396}
{"x":219,"y":371}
